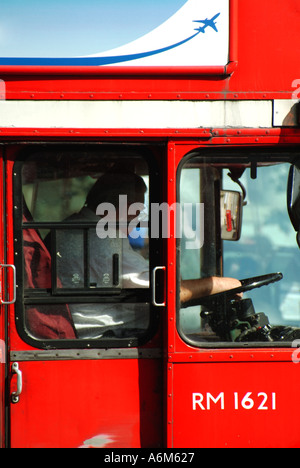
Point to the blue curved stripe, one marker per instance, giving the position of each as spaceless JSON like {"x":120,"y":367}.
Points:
{"x":88,"y":61}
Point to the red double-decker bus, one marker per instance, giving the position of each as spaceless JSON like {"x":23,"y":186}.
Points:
{"x":149,"y":218}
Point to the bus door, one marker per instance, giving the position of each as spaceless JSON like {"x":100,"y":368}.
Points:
{"x":233,"y":371}
{"x":85,"y":337}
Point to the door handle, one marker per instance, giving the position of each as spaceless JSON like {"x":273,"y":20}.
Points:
{"x":154,"y":302}
{"x":13,"y":300}
{"x":15,"y":396}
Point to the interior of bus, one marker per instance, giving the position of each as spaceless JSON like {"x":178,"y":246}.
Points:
{"x":76,"y":285}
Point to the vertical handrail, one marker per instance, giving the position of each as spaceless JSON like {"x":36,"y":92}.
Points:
{"x":154,"y":302}
{"x":13,"y":300}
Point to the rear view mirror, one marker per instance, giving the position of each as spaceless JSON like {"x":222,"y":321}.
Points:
{"x":231,"y":215}
{"x":293,"y":199}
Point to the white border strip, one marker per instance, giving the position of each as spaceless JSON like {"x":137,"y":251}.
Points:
{"x":135,"y":114}
{"x":286,"y":113}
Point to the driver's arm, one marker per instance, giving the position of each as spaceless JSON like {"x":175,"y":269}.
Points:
{"x":194,"y":289}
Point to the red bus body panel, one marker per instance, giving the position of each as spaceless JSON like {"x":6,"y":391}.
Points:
{"x":181,"y":396}
{"x":88,"y":404}
{"x":263,"y":38}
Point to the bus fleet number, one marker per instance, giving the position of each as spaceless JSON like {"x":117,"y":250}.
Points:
{"x":260,"y":401}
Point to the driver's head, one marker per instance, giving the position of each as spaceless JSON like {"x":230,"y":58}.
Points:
{"x":111,"y":185}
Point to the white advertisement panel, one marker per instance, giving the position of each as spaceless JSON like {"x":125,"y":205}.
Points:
{"x":151,"y":33}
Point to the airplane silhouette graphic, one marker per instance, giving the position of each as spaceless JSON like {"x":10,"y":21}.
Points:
{"x":207,"y":23}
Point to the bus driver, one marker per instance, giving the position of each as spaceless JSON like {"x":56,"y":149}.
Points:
{"x":96,"y":320}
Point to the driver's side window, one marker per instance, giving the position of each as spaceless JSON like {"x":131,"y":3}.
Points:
{"x":268,"y":314}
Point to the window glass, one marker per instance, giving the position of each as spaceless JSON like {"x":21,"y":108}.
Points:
{"x":266,"y":315}
{"x":268,"y":244}
{"x":86,"y":256}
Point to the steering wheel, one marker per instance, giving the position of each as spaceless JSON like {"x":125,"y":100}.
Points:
{"x":251,"y":283}
{"x":247,"y":285}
